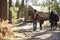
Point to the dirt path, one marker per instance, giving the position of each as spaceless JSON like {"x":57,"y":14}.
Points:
{"x":26,"y":33}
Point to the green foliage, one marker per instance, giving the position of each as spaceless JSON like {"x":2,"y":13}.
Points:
{"x":17,"y":3}
{"x":46,"y":18}
{"x":53,"y":5}
{"x":25,"y":8}
{"x":14,"y":14}
{"x":35,"y":2}
{"x":15,"y":11}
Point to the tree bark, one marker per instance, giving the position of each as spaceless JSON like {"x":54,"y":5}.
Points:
{"x":10,"y":13}
{"x":21,"y":10}
{"x":3,"y":10}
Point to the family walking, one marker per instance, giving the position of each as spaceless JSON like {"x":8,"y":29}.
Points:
{"x":35,"y":17}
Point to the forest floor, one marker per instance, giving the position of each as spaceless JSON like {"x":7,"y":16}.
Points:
{"x":26,"y":32}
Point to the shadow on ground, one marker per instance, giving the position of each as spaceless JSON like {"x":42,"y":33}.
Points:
{"x":46,"y":34}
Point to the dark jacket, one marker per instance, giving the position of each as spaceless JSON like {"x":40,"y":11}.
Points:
{"x":52,"y":16}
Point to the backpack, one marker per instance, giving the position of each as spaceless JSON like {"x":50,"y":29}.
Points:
{"x":57,"y":18}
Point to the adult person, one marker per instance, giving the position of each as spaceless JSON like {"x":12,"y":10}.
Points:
{"x":56,"y":19}
{"x":34,"y":19}
{"x":40,"y":20}
{"x":52,"y":19}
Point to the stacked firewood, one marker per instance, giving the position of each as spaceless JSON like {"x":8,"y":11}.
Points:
{"x":5,"y":30}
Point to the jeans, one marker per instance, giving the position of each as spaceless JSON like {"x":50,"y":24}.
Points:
{"x":52,"y":24}
{"x":34,"y":25}
{"x":56,"y":24}
{"x":40,"y":25}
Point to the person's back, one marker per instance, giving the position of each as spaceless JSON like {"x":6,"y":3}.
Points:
{"x":52,"y":17}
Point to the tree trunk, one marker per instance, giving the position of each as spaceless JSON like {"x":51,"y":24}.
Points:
{"x":10,"y":13}
{"x":3,"y":10}
{"x":21,"y":10}
{"x":0,"y":10}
